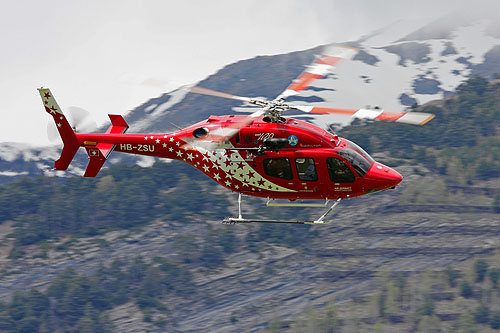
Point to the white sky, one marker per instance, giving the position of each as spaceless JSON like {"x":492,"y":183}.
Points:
{"x":111,"y":56}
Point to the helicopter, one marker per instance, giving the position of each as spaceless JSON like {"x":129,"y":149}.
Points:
{"x":262,"y":154}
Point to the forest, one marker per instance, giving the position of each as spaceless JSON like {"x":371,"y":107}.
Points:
{"x":461,"y":146}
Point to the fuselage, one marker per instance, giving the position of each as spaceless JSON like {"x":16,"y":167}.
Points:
{"x":309,"y":164}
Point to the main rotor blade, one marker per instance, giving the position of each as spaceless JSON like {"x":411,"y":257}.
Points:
{"x":215,"y":137}
{"x":329,"y":58}
{"x":414,"y":118}
{"x":210,"y":92}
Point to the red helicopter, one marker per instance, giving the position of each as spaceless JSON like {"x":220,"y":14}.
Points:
{"x":262,"y":154}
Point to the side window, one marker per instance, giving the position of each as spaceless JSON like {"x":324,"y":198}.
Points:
{"x":339,"y":172}
{"x":278,"y":167}
{"x":306,"y":169}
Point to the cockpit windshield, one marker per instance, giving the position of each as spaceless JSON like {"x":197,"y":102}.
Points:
{"x":360,"y":150}
{"x":357,"y":157}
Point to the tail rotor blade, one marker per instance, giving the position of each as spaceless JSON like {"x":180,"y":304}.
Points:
{"x":52,"y":133}
{"x":81,"y":120}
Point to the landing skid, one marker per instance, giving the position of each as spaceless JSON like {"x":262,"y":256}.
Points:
{"x":235,"y":220}
{"x":240,"y":219}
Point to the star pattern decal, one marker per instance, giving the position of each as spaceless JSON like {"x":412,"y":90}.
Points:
{"x":233,"y":171}
{"x":49,"y":102}
{"x":228,"y":168}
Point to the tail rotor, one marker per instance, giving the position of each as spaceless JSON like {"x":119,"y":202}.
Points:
{"x":80,"y":120}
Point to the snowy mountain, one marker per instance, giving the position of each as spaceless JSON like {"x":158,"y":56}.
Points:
{"x":394,"y":68}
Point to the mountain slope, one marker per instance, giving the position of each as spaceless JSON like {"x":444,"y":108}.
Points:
{"x":395,"y":68}
{"x":151,"y":239}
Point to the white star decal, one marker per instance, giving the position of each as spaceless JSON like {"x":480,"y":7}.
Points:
{"x":179,"y":153}
{"x":228,"y":183}
{"x":205,"y":158}
{"x":170,"y":149}
{"x":165,"y":136}
{"x":236,"y":186}
{"x":206,"y":168}
{"x":157,"y":141}
{"x":152,"y":137}
{"x":190,"y":156}
{"x":216,"y":176}
{"x":178,"y":143}
{"x":164,"y":145}
{"x":145,"y":138}
{"x":172,"y":139}
{"x":59,"y":125}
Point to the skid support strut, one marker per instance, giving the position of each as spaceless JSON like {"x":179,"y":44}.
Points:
{"x":320,"y":220}
{"x":240,"y":219}
{"x":239,"y":207}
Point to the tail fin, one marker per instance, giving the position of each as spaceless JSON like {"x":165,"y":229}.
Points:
{"x":67,"y":134}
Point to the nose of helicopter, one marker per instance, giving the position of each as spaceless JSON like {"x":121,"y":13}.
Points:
{"x":384,"y":175}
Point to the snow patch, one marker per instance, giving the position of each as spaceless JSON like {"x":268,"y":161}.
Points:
{"x":176,"y":96}
{"x":146,"y":161}
{"x":12,"y":151}
{"x":151,"y":107}
{"x":472,"y":41}
{"x":13,"y":173}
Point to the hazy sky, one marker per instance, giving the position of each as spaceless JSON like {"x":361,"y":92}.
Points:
{"x":111,"y":56}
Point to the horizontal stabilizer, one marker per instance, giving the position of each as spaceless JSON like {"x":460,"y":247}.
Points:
{"x":96,"y":160}
{"x":99,"y":153}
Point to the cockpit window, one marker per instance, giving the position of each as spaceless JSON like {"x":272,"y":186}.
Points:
{"x":358,"y":162}
{"x":339,"y":171}
{"x":360,"y":150}
{"x":278,"y":167}
{"x":306,"y":169}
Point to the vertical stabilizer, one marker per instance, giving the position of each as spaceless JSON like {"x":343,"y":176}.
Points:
{"x":67,"y":134}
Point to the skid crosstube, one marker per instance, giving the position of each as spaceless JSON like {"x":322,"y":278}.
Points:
{"x":234,"y":220}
